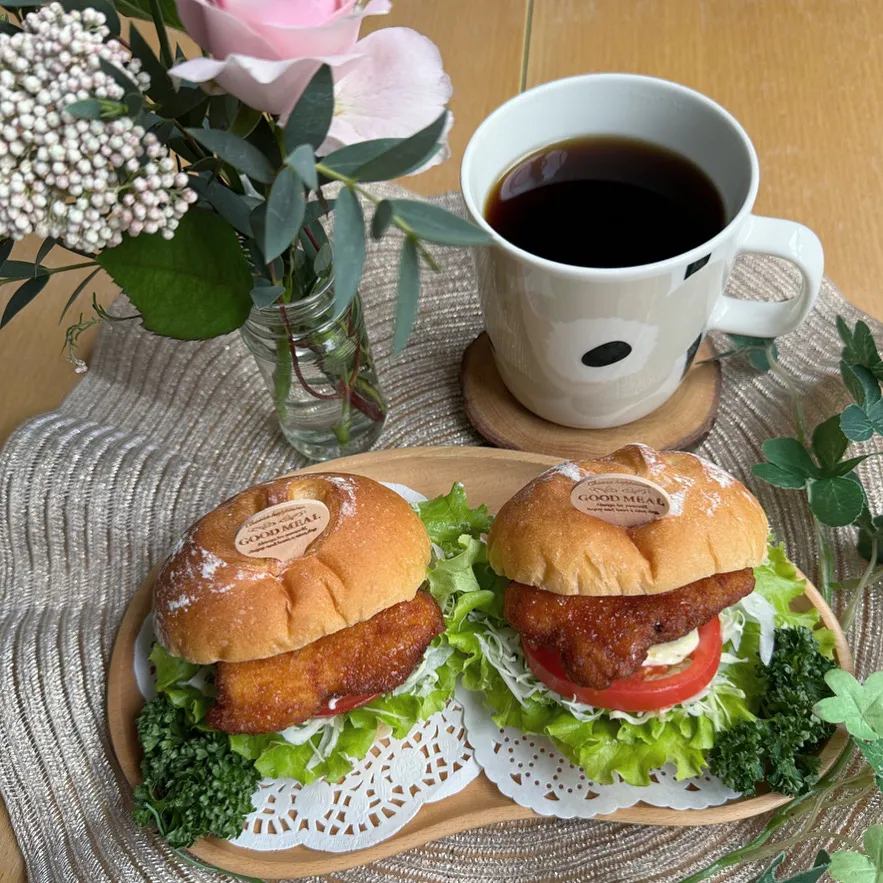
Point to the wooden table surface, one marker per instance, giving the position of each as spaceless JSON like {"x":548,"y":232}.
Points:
{"x":805,"y":77}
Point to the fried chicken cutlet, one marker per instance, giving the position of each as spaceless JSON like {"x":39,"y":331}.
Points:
{"x":374,"y":656}
{"x":606,"y":639}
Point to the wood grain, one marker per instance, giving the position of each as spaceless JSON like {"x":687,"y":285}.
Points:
{"x":804,"y":78}
{"x":491,"y":476}
{"x":680,"y":424}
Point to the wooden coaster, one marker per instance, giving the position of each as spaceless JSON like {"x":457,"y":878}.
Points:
{"x":681,"y":423}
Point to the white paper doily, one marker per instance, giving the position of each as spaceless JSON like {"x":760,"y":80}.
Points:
{"x":382,"y":793}
{"x":530,"y":770}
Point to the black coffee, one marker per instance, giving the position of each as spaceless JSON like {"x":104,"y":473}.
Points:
{"x":605,"y":202}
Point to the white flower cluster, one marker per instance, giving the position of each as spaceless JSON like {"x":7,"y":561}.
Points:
{"x":84,"y":182}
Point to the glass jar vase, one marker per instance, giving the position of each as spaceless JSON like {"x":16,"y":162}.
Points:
{"x":320,"y":373}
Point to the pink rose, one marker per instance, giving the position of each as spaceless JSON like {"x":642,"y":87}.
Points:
{"x":391,"y":84}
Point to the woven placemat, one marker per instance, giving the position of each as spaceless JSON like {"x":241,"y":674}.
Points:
{"x":159,"y":432}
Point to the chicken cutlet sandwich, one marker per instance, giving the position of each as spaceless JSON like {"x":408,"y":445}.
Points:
{"x":295,"y":624}
{"x":637,"y":597}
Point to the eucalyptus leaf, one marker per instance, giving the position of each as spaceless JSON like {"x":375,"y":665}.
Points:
{"x":309,"y":121}
{"x":232,"y":207}
{"x":829,"y":443}
{"x":263,"y":137}
{"x":246,"y":120}
{"x":285,"y":213}
{"x":382,"y":219}
{"x":86,"y":109}
{"x":778,"y":477}
{"x":7,"y":27}
{"x":434,"y":224}
{"x":77,"y":292}
{"x":237,"y":151}
{"x":23,"y":295}
{"x":349,"y":248}
{"x":316,"y":210}
{"x":408,"y":297}
{"x":161,"y":86}
{"x":264,"y":295}
{"x":836,"y":501}
{"x":183,"y":102}
{"x":403,"y":157}
{"x":323,"y":260}
{"x":192,"y":287}
{"x":105,"y":6}
{"x":788,"y":454}
{"x":303,"y":161}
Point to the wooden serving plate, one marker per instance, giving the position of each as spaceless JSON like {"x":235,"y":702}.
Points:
{"x":490,"y":476}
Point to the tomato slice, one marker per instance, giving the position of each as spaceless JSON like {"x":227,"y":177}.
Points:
{"x":646,"y":690}
{"x":344,"y":703}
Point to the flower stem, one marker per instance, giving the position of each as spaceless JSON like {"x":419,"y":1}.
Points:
{"x":796,"y":400}
{"x":165,"y":49}
{"x":858,"y":594}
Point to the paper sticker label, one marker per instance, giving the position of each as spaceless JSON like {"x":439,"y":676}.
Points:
{"x":283,"y":531}
{"x":625,"y":500}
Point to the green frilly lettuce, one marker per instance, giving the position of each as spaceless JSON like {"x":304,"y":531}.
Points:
{"x":607,"y":744}
{"x":328,"y":747}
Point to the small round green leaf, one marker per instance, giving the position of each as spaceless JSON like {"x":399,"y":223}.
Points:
{"x":790,"y":455}
{"x":855,"y":424}
{"x":836,"y":501}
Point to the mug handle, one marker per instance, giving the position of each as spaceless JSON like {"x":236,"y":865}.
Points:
{"x":782,"y":239}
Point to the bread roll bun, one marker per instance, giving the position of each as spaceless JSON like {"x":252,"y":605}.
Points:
{"x":213,"y":603}
{"x":715,"y":526}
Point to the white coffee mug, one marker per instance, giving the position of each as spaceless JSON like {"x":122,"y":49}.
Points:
{"x":594,"y":348}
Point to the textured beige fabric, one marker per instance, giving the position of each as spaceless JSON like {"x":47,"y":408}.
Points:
{"x":159,"y":432}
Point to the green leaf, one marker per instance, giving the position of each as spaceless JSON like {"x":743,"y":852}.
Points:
{"x":815,"y":873}
{"x":836,"y":501}
{"x":829,"y":443}
{"x":403,"y":157}
{"x":24,"y":294}
{"x":264,"y":295}
{"x":21,"y":270}
{"x":303,"y":161}
{"x":760,"y":359}
{"x":78,"y":291}
{"x":45,"y":248}
{"x":232,"y":207}
{"x":86,"y":109}
{"x":347,"y":159}
{"x":873,"y":754}
{"x":7,"y":27}
{"x":778,"y":477}
{"x":246,"y":120}
{"x":847,"y":466}
{"x":868,"y":529}
{"x":856,"y":424}
{"x":323,"y":259}
{"x":310,"y":120}
{"x":858,"y":706}
{"x":316,"y":210}
{"x":434,"y":224}
{"x":349,"y":248}
{"x":848,"y":866}
{"x":408,"y":298}
{"x":121,"y":78}
{"x":5,"y":251}
{"x":263,"y":138}
{"x":105,"y":6}
{"x":382,"y":219}
{"x":449,"y":516}
{"x":237,"y":151}
{"x":192,"y":287}
{"x":860,"y":382}
{"x":285,"y":213}
{"x":141,"y":9}
{"x":161,"y":86}
{"x":790,"y":455}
